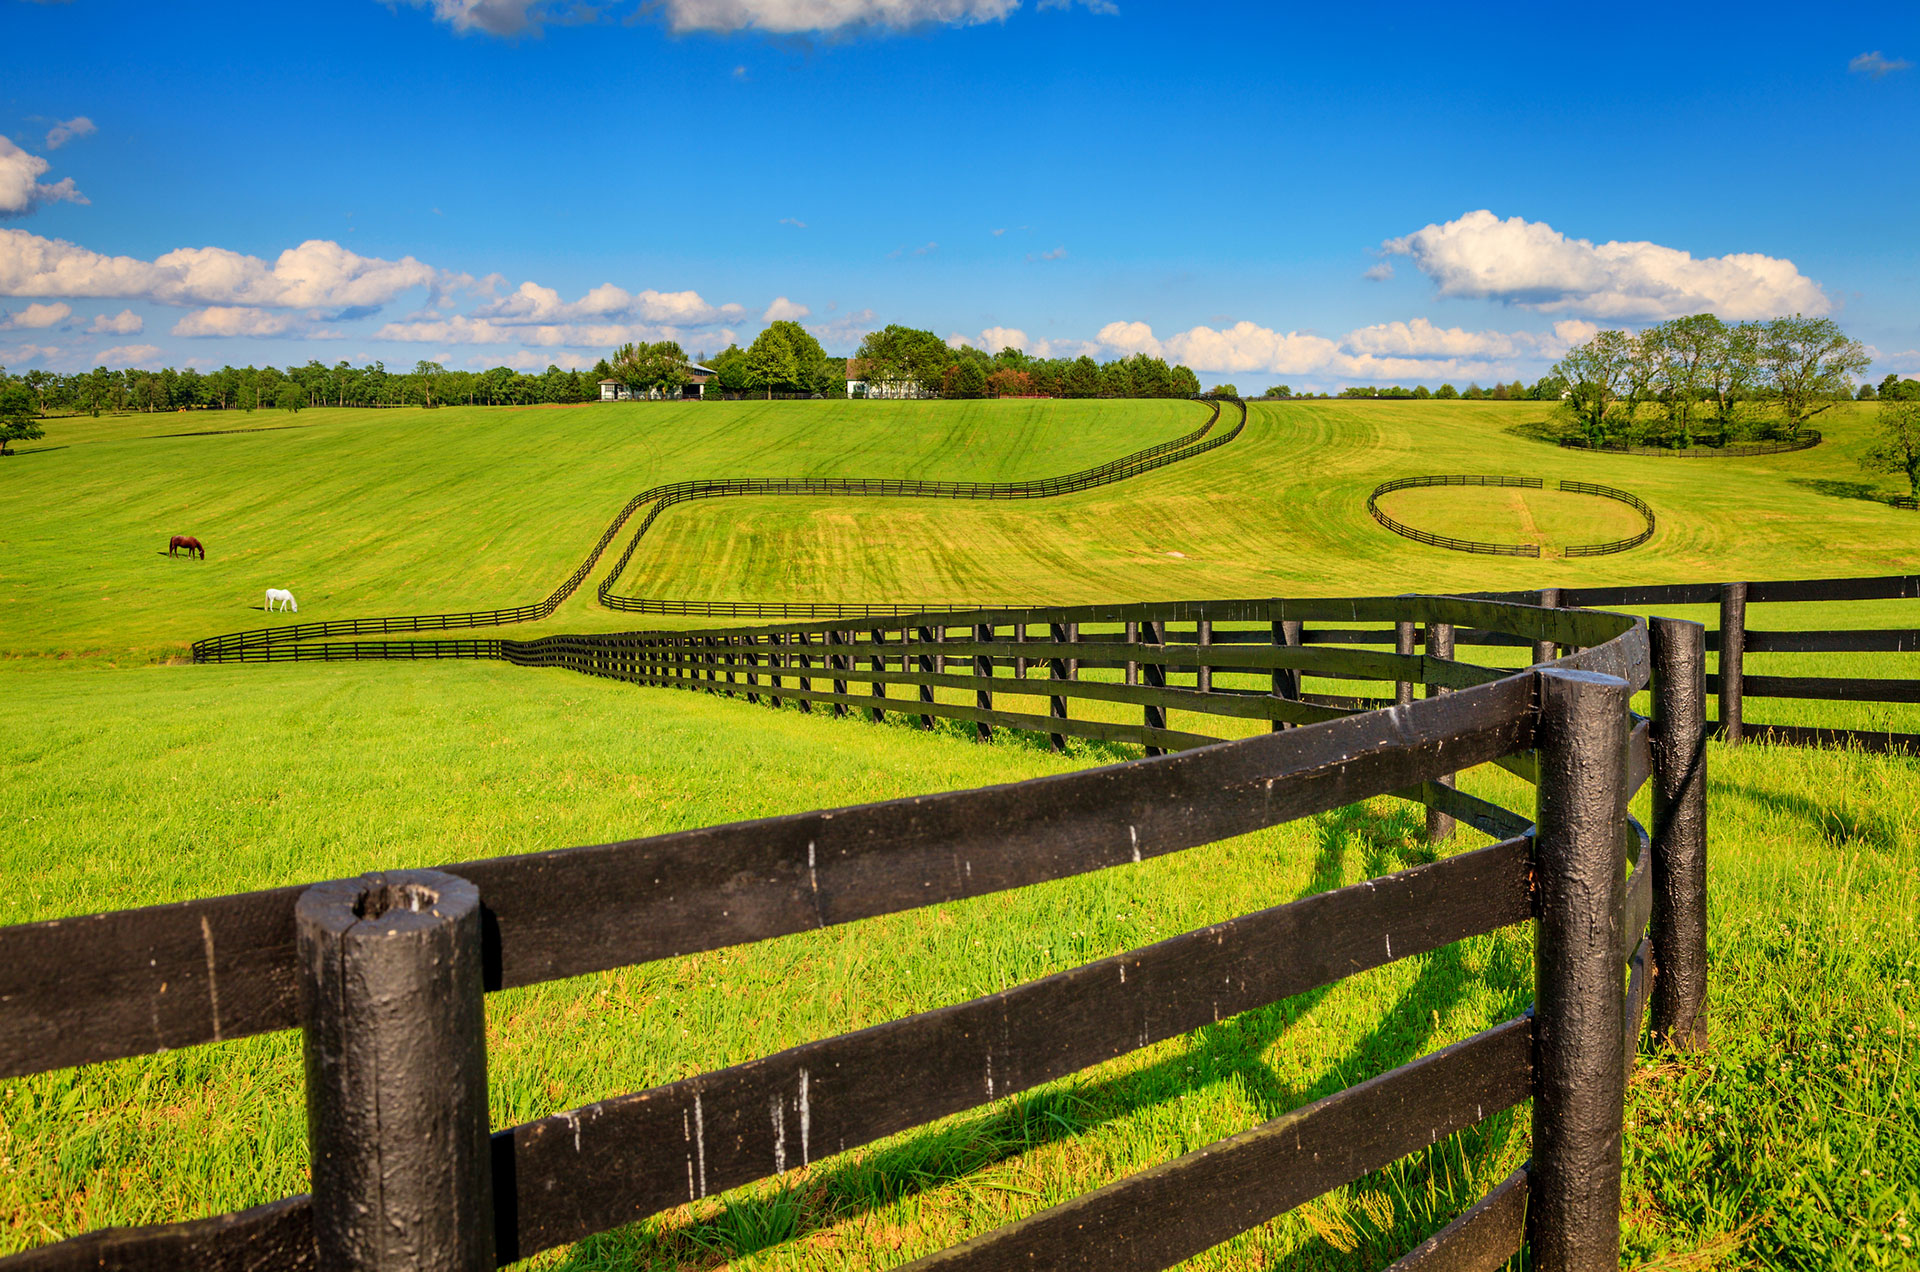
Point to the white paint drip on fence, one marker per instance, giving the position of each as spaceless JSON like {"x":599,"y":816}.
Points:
{"x":806,"y":1122}
{"x":213,"y":979}
{"x":700,"y":1140}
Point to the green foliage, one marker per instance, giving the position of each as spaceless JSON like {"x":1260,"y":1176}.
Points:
{"x":968,"y":379}
{"x":1278,"y":391}
{"x":1809,"y":363}
{"x":1595,"y":374}
{"x":1446,"y":391}
{"x":652,"y":370}
{"x":1899,"y":390}
{"x":899,"y":356}
{"x":1896,"y":446}
{"x":289,"y":398}
{"x":17,"y":422}
{"x":785,"y":358}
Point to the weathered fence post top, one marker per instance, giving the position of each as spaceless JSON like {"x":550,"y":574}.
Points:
{"x":395,"y":1043}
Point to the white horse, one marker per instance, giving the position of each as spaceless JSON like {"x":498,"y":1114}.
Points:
{"x":284,"y":597}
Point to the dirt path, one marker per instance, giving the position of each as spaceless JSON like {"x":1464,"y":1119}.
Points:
{"x":1530,"y":529}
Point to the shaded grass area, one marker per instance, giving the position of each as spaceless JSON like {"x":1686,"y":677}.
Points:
{"x":213,"y":779}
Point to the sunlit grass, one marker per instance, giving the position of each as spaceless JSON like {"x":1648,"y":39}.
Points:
{"x":1789,"y":1144}
{"x":220,"y":778}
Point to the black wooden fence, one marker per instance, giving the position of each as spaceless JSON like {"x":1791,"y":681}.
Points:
{"x":1483,"y":548}
{"x":1186,"y":446}
{"x":1733,"y":639}
{"x":385,"y":973}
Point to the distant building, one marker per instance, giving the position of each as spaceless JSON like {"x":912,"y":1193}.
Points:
{"x":859,"y":386}
{"x":696,"y":386}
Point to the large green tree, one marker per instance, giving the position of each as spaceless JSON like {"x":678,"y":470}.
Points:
{"x":1597,"y":379}
{"x":903,"y":355}
{"x":786,"y":358}
{"x":1809,"y":364}
{"x":650,"y":369}
{"x":1681,"y":353}
{"x":17,"y":421}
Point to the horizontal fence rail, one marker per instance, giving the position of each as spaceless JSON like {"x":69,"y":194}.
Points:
{"x":1481,"y":548}
{"x":231,"y":647}
{"x":1601,"y":895}
{"x":1732,"y":640}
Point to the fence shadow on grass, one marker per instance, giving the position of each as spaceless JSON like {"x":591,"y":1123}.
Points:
{"x":1235,"y":1049}
{"x":1838,"y":824}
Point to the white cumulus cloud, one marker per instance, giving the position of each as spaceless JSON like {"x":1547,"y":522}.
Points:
{"x":532,"y":303}
{"x":69,"y":130}
{"x":318,"y":273}
{"x":36,"y":317}
{"x":124,"y":323}
{"x":1415,"y":350}
{"x":131,"y":355}
{"x":784,"y":309}
{"x":1533,"y":265}
{"x":21,"y":190}
{"x":1420,"y":338}
{"x":238,"y":320}
{"x":459,"y":329}
{"x":993,"y":340}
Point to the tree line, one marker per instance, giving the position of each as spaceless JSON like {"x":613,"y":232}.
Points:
{"x":1698,"y":380}
{"x":315,"y":384}
{"x":896,"y":361}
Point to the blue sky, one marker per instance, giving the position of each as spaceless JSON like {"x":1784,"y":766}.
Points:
{"x":1270,"y":193}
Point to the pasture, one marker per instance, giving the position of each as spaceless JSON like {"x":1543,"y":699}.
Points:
{"x":1789,"y":1144}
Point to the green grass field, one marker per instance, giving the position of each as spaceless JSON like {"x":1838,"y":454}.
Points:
{"x":1789,"y":1144}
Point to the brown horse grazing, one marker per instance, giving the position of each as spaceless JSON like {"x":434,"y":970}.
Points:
{"x":187,"y":541}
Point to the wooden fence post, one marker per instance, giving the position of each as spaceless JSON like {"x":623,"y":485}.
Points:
{"x":1020,"y":661}
{"x":1439,"y":645}
{"x":839,"y":661}
{"x":1546,"y":650}
{"x":1286,"y":680}
{"x":1733,"y":657}
{"x":1679,"y":737}
{"x":1203,"y":637}
{"x":1573,"y":1202}
{"x":878,"y":712}
{"x":805,"y":641}
{"x":1061,"y":669}
{"x":1403,"y":645}
{"x":983,"y":669}
{"x":927,"y":637}
{"x":1133,"y":665}
{"x":396,"y":1067}
{"x":753,"y":668}
{"x":1154,"y":717}
{"x":776,"y":660}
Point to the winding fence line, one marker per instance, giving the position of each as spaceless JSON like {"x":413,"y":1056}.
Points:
{"x":234,"y":646}
{"x":386,"y":973}
{"x":1807,"y":439}
{"x":1483,"y":548}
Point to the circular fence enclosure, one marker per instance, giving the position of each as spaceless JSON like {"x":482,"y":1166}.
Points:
{"x":1484,"y":548}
